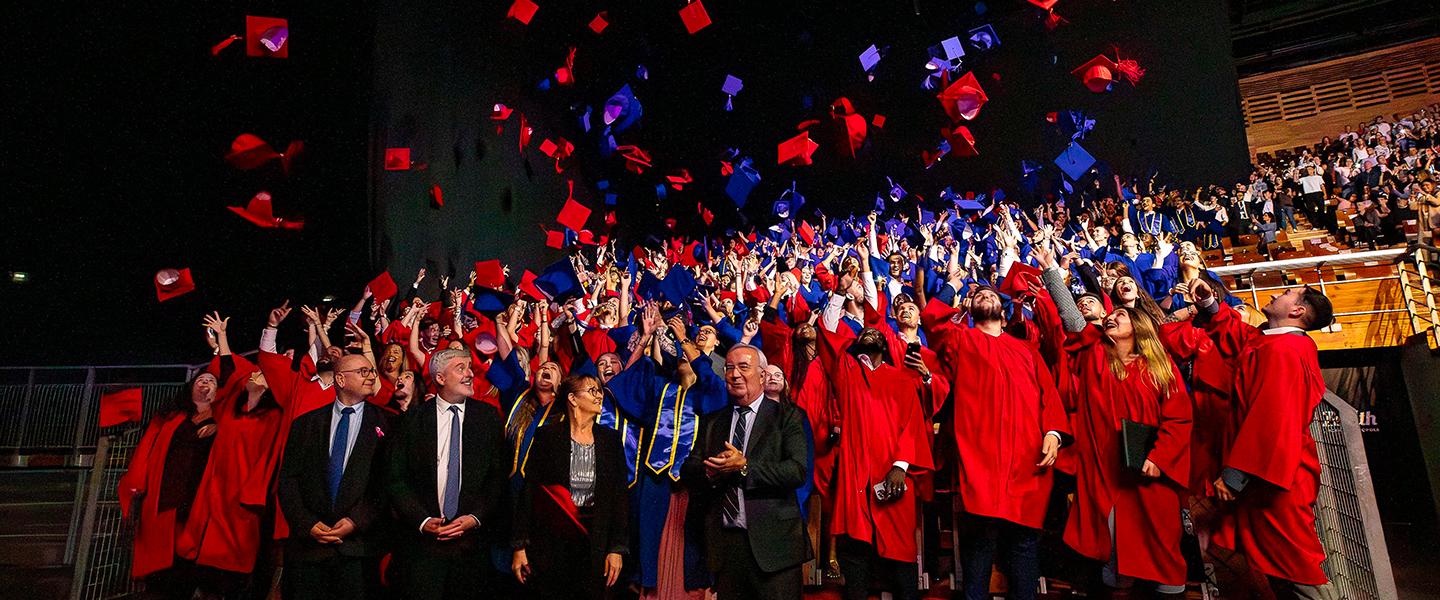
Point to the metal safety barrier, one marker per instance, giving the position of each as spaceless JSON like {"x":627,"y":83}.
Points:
{"x":1346,"y":517}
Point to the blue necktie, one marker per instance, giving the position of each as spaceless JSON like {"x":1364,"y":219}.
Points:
{"x":452,"y":468}
{"x":731,"y":506}
{"x":337,"y":453}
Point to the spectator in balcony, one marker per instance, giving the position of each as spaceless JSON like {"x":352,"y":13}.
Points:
{"x":1312,"y":189}
{"x":1285,"y":211}
{"x":1265,"y":227}
{"x":1429,"y":201}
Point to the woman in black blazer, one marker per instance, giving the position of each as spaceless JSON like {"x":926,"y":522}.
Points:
{"x":572,"y":517}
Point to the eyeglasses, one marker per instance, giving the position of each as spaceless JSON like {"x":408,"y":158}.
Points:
{"x":363,"y":371}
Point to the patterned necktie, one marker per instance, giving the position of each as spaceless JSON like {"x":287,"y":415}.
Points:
{"x":452,"y":467}
{"x":336,"y":470}
{"x":732,"y":494}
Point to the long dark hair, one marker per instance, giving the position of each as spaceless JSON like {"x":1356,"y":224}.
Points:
{"x":184,"y":402}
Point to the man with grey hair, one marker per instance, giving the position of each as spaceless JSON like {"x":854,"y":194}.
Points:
{"x":447,"y":486}
{"x":744,"y":471}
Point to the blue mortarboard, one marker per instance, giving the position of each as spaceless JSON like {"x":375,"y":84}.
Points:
{"x":642,"y":73}
{"x":895,"y":227}
{"x":488,"y":301}
{"x":983,"y":38}
{"x":847,"y":234}
{"x":678,"y":286}
{"x":946,"y":55}
{"x":897,"y":193}
{"x":559,"y":280}
{"x":789,"y":203}
{"x":649,"y":287}
{"x":622,"y":109}
{"x":1074,"y":161}
{"x":585,"y":119}
{"x":779,"y":233}
{"x":731,"y":87}
{"x":742,"y":182}
{"x":869,"y":58}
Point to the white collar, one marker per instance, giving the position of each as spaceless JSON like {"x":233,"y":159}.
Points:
{"x":1283,"y":330}
{"x":340,"y":406}
{"x":442,"y":405}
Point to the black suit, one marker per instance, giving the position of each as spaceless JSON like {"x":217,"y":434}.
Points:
{"x":347,"y":569}
{"x":458,"y":568}
{"x":763,"y":560}
{"x":564,"y":563}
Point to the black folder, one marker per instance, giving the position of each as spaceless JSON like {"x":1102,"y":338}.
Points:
{"x":1136,"y":441}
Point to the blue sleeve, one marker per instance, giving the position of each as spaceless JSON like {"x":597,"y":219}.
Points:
{"x":708,"y":393}
{"x":944,"y":295}
{"x":634,"y":388}
{"x":728,"y":333}
{"x":879,"y":266}
{"x":507,"y":376}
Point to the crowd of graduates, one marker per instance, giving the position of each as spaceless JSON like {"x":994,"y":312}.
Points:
{"x":627,"y":413}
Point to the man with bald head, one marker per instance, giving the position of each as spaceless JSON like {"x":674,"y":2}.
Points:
{"x":447,"y":485}
{"x":332,"y":551}
{"x":747,"y":464}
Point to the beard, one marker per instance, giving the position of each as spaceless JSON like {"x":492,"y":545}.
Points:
{"x":987,"y":312}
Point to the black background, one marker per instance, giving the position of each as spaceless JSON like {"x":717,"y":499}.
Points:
{"x":116,"y":119}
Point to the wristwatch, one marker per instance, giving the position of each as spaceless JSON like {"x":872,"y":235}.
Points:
{"x":745,"y":471}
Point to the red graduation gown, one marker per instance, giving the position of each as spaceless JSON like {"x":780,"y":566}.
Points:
{"x":883,"y":424}
{"x":1002,"y":409}
{"x":1277,"y":387}
{"x":154,"y":544}
{"x":297,"y":394}
{"x":1147,"y":511}
{"x":223,"y":530}
{"x":1210,"y":393}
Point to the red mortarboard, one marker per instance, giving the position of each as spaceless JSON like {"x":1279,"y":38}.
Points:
{"x":1019,"y":280}
{"x":878,"y":121}
{"x":961,"y":142}
{"x":170,"y":283}
{"x":258,"y":211}
{"x":437,"y":196}
{"x":636,"y":159}
{"x":796,"y":151}
{"x":500,"y":112}
{"x":382,"y":287}
{"x":853,"y":123}
{"x":120,"y":406}
{"x":1097,"y":73}
{"x":524,"y":132}
{"x":573,"y":215}
{"x":705,"y":214}
{"x":248,"y":151}
{"x":523,"y":11}
{"x":267,"y":36}
{"x":695,"y":17}
{"x":600,"y":22}
{"x":807,"y":232}
{"x":554,"y":239}
{"x":527,"y":286}
{"x":490,"y":274}
{"x":1045,"y":4}
{"x":397,"y":159}
{"x":963,"y":99}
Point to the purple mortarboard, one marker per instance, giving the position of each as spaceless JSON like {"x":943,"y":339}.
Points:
{"x":622,"y":109}
{"x":559,"y":280}
{"x":732,"y":86}
{"x":741,"y":182}
{"x":983,"y":38}
{"x":1028,"y":167}
{"x":1074,"y":161}
{"x":945,"y":55}
{"x":678,"y":285}
{"x":968,"y":204}
{"x":927,"y":216}
{"x":869,"y":58}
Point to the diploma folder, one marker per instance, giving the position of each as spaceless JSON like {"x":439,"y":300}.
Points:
{"x":1136,"y":441}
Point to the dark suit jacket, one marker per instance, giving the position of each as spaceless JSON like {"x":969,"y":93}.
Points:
{"x":777,"y":462}
{"x":483,"y":470}
{"x":549,"y":464}
{"x":305,"y":497}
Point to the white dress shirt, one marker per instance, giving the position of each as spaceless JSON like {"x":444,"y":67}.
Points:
{"x":442,"y":445}
{"x":739,"y":520}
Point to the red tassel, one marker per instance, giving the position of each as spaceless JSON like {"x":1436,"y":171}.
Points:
{"x":1131,"y":70}
{"x":225,"y":43}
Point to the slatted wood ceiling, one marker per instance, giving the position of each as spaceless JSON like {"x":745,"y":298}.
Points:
{"x":1364,"y":81}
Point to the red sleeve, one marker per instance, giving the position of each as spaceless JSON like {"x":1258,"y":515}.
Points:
{"x":396,"y":333}
{"x":1052,"y":409}
{"x":913,"y":441}
{"x":837,"y":365}
{"x":1172,"y":443}
{"x":278,"y":376}
{"x":1230,"y":332}
{"x":775,"y":339}
{"x":255,"y":491}
{"x":133,"y":483}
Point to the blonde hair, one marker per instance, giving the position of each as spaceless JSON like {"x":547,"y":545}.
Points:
{"x":1147,"y":344}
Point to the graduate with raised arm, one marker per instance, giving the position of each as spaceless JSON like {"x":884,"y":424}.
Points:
{"x":668,"y":555}
{"x":1272,"y":470}
{"x":884,"y":442}
{"x":1129,"y":519}
{"x":526,"y":404}
{"x":1008,"y":424}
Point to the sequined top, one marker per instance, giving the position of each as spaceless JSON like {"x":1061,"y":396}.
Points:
{"x":582,"y":473}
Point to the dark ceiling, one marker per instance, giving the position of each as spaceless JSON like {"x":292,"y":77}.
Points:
{"x":1270,"y":35}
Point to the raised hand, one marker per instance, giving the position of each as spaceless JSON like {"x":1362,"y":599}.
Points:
{"x":278,"y":314}
{"x":331,"y":315}
{"x":311,"y":315}
{"x":215,"y":323}
{"x":420,"y":276}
